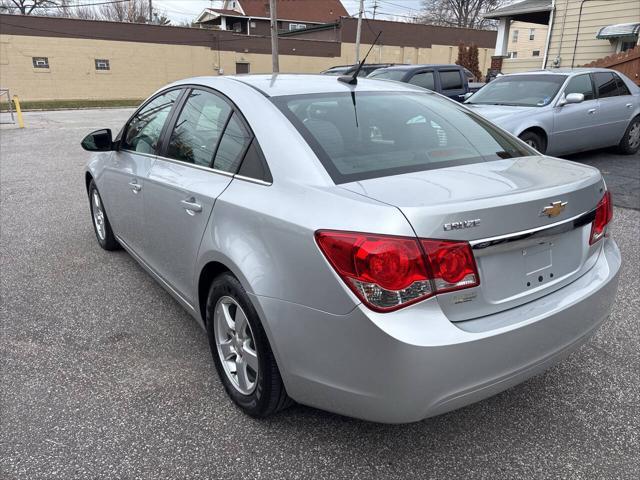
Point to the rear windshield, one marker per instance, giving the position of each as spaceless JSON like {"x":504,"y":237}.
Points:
{"x":519,"y":90}
{"x":397,"y":75}
{"x":375,"y":134}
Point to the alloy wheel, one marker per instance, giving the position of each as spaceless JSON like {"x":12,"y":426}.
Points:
{"x":634,"y":135}
{"x":236,"y":345}
{"x":98,"y":215}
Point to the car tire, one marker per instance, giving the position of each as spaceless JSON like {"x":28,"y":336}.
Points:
{"x":101,"y":226}
{"x":630,"y":142}
{"x":257,"y":393}
{"x":534,"y":140}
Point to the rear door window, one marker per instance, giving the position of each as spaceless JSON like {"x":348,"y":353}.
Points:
{"x":198,"y":128}
{"x":622,"y":87}
{"x":451,"y":80}
{"x":424,"y":80}
{"x":606,"y":84}
{"x":232,"y":146}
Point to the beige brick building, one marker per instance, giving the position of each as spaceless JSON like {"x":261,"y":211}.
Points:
{"x":45,"y":58}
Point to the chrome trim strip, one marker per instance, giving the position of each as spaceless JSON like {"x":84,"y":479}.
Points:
{"x":150,"y":155}
{"x":252,"y":180}
{"x":153,"y":273}
{"x":552,"y":229}
{"x":193,"y":165}
{"x":203,"y":168}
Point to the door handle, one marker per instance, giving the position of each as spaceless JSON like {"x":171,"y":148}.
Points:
{"x":591,"y":111}
{"x":135,"y":186}
{"x":191,"y":206}
{"x":629,"y":105}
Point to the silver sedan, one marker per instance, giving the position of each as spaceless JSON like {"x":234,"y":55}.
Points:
{"x":374,"y":249}
{"x":565,"y":110}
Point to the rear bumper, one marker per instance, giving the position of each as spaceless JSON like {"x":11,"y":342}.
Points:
{"x":414,"y":363}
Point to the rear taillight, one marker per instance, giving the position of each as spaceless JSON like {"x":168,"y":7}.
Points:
{"x":388,"y":272}
{"x":604,"y":214}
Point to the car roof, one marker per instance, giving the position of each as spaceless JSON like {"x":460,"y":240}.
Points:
{"x":425,"y":65}
{"x":300,"y":84}
{"x":564,"y":71}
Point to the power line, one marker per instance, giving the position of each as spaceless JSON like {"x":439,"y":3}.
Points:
{"x":49,"y":7}
{"x":411,"y":17}
{"x":397,"y":5}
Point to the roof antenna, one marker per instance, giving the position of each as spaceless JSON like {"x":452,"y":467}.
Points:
{"x":353,"y":78}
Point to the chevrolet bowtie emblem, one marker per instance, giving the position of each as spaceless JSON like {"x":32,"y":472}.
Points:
{"x":553,"y":210}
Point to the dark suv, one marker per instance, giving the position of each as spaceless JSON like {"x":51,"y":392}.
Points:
{"x":449,"y":80}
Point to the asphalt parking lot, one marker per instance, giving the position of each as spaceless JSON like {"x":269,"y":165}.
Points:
{"x":105,"y":376}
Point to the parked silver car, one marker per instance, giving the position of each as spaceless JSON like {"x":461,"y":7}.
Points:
{"x":374,"y":250}
{"x":565,"y":110}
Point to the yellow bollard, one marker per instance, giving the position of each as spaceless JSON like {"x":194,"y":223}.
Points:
{"x":16,"y":101}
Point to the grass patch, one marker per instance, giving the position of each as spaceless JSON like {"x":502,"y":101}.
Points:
{"x":54,"y":104}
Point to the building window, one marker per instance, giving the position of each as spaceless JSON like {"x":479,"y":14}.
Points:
{"x":242,"y":67}
{"x":102,"y":64}
{"x":514,"y":36}
{"x":40,"y":62}
{"x":535,"y":53}
{"x":626,"y":45}
{"x":532,"y":34}
{"x":297,"y":26}
{"x":513,"y":54}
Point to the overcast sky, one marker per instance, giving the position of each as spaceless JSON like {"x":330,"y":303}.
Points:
{"x":179,"y":10}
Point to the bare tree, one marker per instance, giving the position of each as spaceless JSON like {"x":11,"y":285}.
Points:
{"x":160,"y":18}
{"x":26,"y":7}
{"x":85,"y":12}
{"x":132,"y":11}
{"x":459,"y":13}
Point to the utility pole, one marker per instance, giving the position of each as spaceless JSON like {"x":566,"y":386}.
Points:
{"x":150,"y":11}
{"x":359,"y":31}
{"x":274,"y":36}
{"x":375,"y":7}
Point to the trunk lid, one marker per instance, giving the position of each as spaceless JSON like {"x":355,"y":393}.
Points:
{"x":497,"y":206}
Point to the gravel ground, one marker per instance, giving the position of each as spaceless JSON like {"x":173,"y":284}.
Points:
{"x":105,"y":376}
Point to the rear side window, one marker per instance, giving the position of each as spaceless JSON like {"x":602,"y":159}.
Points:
{"x":580,"y":84}
{"x":376,"y":134}
{"x":143,"y":130}
{"x":605,"y":84}
{"x":424,"y":80}
{"x":197,"y":130}
{"x":451,"y":80}
{"x":622,"y":87}
{"x":254,"y":164}
{"x":232,"y":146}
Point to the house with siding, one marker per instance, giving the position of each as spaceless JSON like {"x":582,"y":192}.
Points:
{"x":253,"y":17}
{"x":579,"y":31}
{"x":526,"y":40}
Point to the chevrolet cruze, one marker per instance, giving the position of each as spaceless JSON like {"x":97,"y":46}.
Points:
{"x":371,"y":249}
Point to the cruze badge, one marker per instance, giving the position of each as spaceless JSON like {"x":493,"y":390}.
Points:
{"x":462,"y":224}
{"x":554,"y":209}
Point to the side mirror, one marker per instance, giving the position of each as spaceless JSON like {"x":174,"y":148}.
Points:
{"x":467,"y":95}
{"x":572,"y":98}
{"x":98,"y":141}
